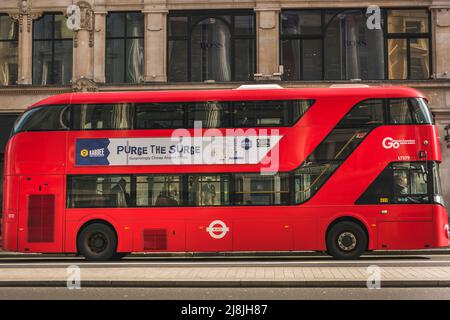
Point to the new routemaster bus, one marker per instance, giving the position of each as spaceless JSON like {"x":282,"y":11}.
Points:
{"x":338,"y":170}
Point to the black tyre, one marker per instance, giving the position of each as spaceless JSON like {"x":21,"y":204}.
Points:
{"x":97,"y":242}
{"x":346,"y":240}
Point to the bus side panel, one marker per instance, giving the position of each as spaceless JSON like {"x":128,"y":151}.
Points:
{"x":440,"y":226}
{"x":41,"y":215}
{"x":36,"y":153}
{"x":10,"y":212}
{"x":396,"y":235}
{"x":305,"y":234}
{"x":266,"y":234}
{"x":198,"y":237}
{"x":158,"y":234}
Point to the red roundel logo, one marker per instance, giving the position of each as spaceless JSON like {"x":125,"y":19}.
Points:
{"x":217,"y":229}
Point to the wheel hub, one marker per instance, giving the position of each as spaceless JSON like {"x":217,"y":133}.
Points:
{"x":97,"y":242}
{"x":347,"y":241}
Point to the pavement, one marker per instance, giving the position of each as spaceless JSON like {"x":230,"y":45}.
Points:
{"x":429,"y":269}
{"x":229,"y":277}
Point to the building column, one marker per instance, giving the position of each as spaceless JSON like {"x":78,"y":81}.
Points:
{"x":442,"y":118}
{"x":440,"y":99}
{"x":83,"y":44}
{"x":267,"y":44}
{"x":441,"y":38}
{"x":99,"y":46}
{"x":25,"y":18}
{"x":155,"y":45}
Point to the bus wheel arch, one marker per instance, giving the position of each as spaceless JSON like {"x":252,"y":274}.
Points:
{"x":347,"y":237}
{"x":97,"y":240}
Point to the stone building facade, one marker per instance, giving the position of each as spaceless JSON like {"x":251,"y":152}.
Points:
{"x":191,"y":44}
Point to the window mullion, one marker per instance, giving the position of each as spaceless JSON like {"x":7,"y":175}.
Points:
{"x":124,"y":42}
{"x":52,"y":73}
{"x":408,"y":58}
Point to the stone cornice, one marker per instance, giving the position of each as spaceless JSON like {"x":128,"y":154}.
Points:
{"x":26,"y":89}
{"x":33,"y":90}
{"x":155,"y":11}
{"x":267,"y":9}
{"x":12,"y":6}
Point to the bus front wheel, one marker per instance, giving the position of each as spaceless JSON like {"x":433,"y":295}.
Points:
{"x":346,"y":240}
{"x":97,"y":242}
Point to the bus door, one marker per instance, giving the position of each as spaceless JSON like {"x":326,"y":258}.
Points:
{"x":405,"y":227}
{"x":407,"y":221}
{"x":41,"y":206}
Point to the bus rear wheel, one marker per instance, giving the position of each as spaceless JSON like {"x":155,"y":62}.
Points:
{"x":97,"y":242}
{"x":346,"y":240}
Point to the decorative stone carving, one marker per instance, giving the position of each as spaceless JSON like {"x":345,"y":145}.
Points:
{"x":155,"y":22}
{"x":443,"y":18}
{"x":84,"y":85}
{"x":86,"y":22}
{"x":25,"y":11}
{"x":267,"y":19}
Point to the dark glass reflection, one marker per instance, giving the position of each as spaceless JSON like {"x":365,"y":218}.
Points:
{"x":211,"y":47}
{"x":124,"y":47}
{"x":52,"y":50}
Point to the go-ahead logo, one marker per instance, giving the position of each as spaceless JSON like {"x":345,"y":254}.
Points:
{"x":389,"y":143}
{"x":217,"y":229}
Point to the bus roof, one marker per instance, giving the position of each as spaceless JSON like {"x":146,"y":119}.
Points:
{"x":230,"y":95}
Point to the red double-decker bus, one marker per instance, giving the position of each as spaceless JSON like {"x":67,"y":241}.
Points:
{"x":340,"y":170}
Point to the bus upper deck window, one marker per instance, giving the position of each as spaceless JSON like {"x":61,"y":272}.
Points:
{"x":159,"y":115}
{"x":400,"y":112}
{"x":420,"y":111}
{"x":44,"y":118}
{"x":211,"y":115}
{"x":101,"y":117}
{"x":365,"y":114}
{"x":269,"y":113}
{"x":409,"y":111}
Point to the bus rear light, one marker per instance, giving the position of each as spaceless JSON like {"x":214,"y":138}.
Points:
{"x":446,"y":230}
